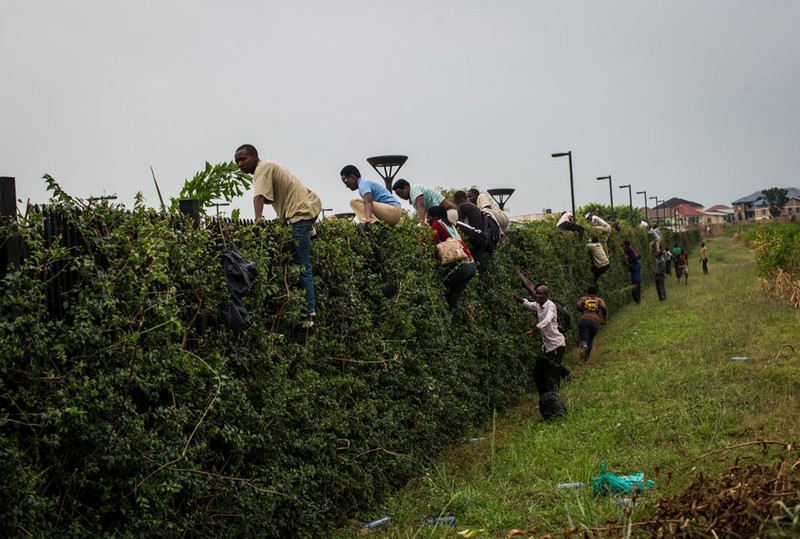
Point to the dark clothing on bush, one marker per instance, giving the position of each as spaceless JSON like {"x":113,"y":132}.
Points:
{"x":456,"y":282}
{"x":567,"y":225}
{"x":549,"y":370}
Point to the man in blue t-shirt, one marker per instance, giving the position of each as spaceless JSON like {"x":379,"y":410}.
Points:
{"x":376,"y":201}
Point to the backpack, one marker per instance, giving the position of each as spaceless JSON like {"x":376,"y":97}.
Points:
{"x":491,"y":231}
{"x":551,"y":407}
{"x":563,"y":318}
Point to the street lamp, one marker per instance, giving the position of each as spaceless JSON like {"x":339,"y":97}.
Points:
{"x":646,"y":216}
{"x":500,"y":195}
{"x":571,"y":186}
{"x":388,"y":164}
{"x":610,"y":192}
{"x":630,"y":198}
{"x":656,"y":199}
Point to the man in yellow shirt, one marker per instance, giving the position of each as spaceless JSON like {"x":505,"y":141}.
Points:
{"x":294,"y":203}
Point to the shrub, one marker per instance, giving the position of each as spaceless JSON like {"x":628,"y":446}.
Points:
{"x":136,"y":413}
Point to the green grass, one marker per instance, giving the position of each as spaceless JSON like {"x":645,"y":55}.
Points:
{"x":659,"y":391}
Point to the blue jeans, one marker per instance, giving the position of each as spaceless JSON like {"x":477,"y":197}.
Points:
{"x":301,"y":232}
{"x":587,"y":329}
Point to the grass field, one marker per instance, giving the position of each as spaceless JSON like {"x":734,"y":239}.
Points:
{"x":658,"y":396}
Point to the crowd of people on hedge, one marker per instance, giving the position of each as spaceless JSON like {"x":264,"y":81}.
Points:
{"x":465,"y":230}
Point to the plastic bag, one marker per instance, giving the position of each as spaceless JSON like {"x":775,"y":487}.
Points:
{"x":608,"y":483}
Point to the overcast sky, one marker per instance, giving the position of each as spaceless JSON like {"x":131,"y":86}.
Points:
{"x":682,"y":98}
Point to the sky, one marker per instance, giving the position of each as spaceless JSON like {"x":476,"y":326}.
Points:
{"x":696,"y":99}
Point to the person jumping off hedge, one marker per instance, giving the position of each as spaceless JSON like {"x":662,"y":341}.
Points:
{"x":376,"y":202}
{"x":599,"y":258}
{"x":635,"y":269}
{"x":458,"y":275}
{"x":548,"y":369}
{"x":486,"y":203}
{"x":294,"y":203}
{"x":566,"y":222}
{"x":424,"y":198}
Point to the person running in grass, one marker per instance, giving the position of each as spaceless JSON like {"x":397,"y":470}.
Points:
{"x":682,"y":266}
{"x":376,"y":202}
{"x":593,"y":315}
{"x":704,"y":257}
{"x":548,"y":369}
{"x":675,"y":252}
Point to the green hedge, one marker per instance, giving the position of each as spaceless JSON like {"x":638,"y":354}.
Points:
{"x":776,"y":245}
{"x":139,"y":415}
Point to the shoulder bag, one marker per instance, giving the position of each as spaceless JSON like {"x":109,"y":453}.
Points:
{"x":451,"y":250}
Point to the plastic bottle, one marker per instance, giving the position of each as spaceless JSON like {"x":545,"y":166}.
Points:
{"x":375,"y":524}
{"x":450,"y":521}
{"x":740,"y":358}
{"x":622,"y":502}
{"x":577,"y":484}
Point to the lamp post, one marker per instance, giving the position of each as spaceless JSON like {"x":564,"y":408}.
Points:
{"x":646,"y":216}
{"x":610,"y":192}
{"x":500,"y":195}
{"x":656,"y":199}
{"x":388,"y":164}
{"x":571,"y":186}
{"x":630,"y":198}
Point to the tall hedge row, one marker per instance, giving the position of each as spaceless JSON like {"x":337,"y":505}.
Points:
{"x":139,"y":414}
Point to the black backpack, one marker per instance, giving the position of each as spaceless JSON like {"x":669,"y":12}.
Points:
{"x":551,"y":407}
{"x":563,"y":317}
{"x":491,"y":231}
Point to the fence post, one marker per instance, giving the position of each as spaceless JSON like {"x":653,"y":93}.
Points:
{"x":10,"y":251}
{"x":191,"y":206}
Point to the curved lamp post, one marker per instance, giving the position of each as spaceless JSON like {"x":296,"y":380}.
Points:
{"x":571,"y":187}
{"x":610,"y":192}
{"x":388,"y":164}
{"x":501,"y":196}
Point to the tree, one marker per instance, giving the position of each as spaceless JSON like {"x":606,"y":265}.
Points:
{"x":221,"y":181}
{"x":777,"y":198}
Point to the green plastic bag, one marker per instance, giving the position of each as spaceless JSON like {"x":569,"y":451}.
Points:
{"x":610,"y":484}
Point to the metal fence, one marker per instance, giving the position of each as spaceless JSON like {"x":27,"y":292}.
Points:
{"x":58,"y":229}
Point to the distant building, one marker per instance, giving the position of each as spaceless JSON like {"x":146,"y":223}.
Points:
{"x":754,"y":208}
{"x":717,"y":215}
{"x":530,"y":217}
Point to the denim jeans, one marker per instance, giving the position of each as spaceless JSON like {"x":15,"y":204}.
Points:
{"x":587,"y":329}
{"x":301,"y":232}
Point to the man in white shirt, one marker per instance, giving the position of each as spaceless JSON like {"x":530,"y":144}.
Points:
{"x":599,"y":222}
{"x":567,"y":223}
{"x":655,"y":239}
{"x":549,"y":370}
{"x":487,"y":203}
